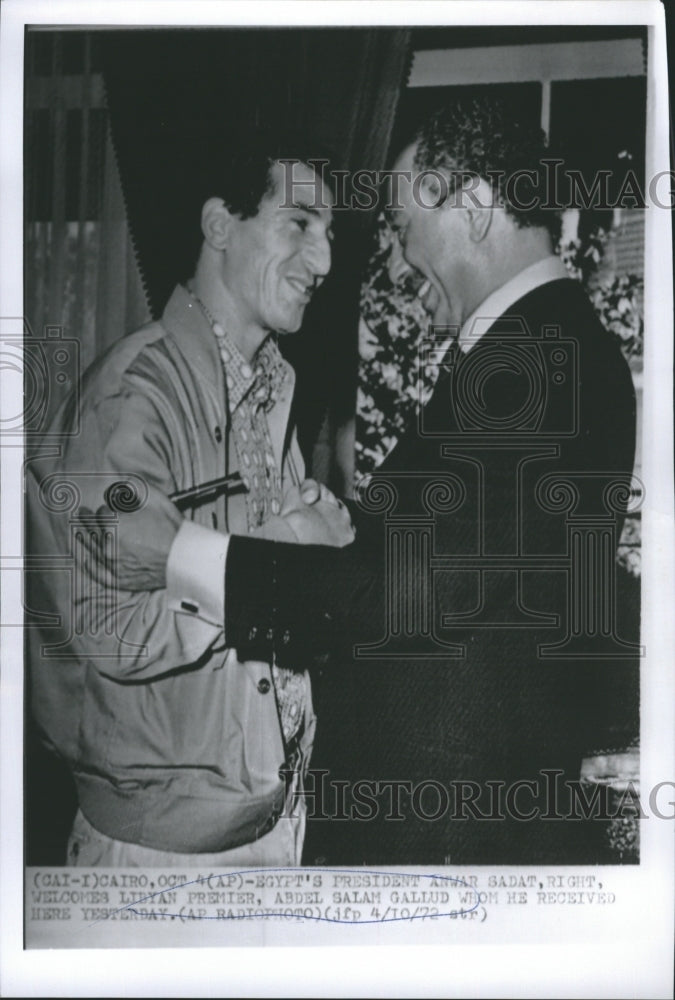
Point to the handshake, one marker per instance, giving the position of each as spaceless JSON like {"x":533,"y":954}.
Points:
{"x":314,"y":517}
{"x":310,"y":515}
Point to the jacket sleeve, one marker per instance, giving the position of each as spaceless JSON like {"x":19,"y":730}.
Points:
{"x":135,"y":634}
{"x":296,"y":601}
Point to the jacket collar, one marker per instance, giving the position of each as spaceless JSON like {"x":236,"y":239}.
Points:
{"x":184,"y":321}
{"x":186,"y":324}
{"x":499,"y":302}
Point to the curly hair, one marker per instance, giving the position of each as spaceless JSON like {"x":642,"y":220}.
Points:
{"x":482,"y":138}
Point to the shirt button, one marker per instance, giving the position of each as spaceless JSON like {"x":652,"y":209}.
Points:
{"x":218,"y":434}
{"x":263,"y":685}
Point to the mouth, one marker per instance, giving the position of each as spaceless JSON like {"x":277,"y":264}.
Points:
{"x":429,"y":297}
{"x":302,"y":287}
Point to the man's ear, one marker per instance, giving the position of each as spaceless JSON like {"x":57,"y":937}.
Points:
{"x":480,"y":210}
{"x":216,"y":223}
{"x":432,"y":191}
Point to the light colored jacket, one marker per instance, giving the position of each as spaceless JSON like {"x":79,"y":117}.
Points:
{"x":173,"y":743}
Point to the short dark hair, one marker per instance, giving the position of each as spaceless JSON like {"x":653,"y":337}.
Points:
{"x":237,"y":168}
{"x":483,"y":137}
{"x":240,"y":173}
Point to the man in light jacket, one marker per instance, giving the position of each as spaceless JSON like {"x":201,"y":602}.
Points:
{"x":180,"y":752}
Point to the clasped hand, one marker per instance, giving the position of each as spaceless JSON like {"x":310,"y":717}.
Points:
{"x":316,"y":517}
{"x":130,"y":550}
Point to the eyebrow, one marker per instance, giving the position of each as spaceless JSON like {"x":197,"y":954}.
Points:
{"x":310,"y":210}
{"x":298,"y":206}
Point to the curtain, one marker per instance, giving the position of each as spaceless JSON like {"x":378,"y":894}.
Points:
{"x":81,"y":285}
{"x":82,"y":291}
{"x":175,"y":94}
{"x":379,"y":65}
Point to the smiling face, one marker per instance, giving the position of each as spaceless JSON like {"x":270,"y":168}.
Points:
{"x":275,"y":261}
{"x":431,"y":240}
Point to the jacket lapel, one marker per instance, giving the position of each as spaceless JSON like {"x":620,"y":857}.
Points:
{"x":187,"y":325}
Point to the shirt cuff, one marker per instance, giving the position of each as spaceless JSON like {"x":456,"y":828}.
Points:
{"x":195,"y":572}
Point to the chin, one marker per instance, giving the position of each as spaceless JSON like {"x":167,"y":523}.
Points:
{"x":288,"y":323}
{"x":442,"y":317}
{"x":287,"y":328}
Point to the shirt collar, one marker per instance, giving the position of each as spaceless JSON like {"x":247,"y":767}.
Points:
{"x":260,"y":380}
{"x":547,"y":269}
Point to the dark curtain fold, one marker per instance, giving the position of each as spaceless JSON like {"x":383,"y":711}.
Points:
{"x":174,"y":96}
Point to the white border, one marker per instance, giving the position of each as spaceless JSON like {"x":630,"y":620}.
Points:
{"x":130,"y":13}
{"x":589,"y":970}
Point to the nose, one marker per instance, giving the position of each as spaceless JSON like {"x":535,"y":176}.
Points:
{"x":319,"y":256}
{"x":397,"y":265}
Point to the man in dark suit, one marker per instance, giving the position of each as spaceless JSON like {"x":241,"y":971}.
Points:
{"x":472,"y":624}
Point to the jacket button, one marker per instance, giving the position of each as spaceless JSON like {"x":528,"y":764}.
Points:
{"x":286,"y":637}
{"x":270,"y":634}
{"x":218,"y":434}
{"x":252,"y":633}
{"x":263,"y":685}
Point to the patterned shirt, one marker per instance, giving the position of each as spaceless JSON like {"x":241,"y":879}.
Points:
{"x":252,"y":389}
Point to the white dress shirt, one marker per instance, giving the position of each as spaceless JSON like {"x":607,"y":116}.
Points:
{"x":497,"y":303}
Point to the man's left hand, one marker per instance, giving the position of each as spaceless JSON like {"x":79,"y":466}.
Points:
{"x":129,"y":551}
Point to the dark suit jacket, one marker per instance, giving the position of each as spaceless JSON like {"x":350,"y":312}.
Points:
{"x":485,"y":538}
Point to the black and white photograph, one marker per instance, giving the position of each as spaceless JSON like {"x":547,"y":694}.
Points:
{"x":337,"y":495}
